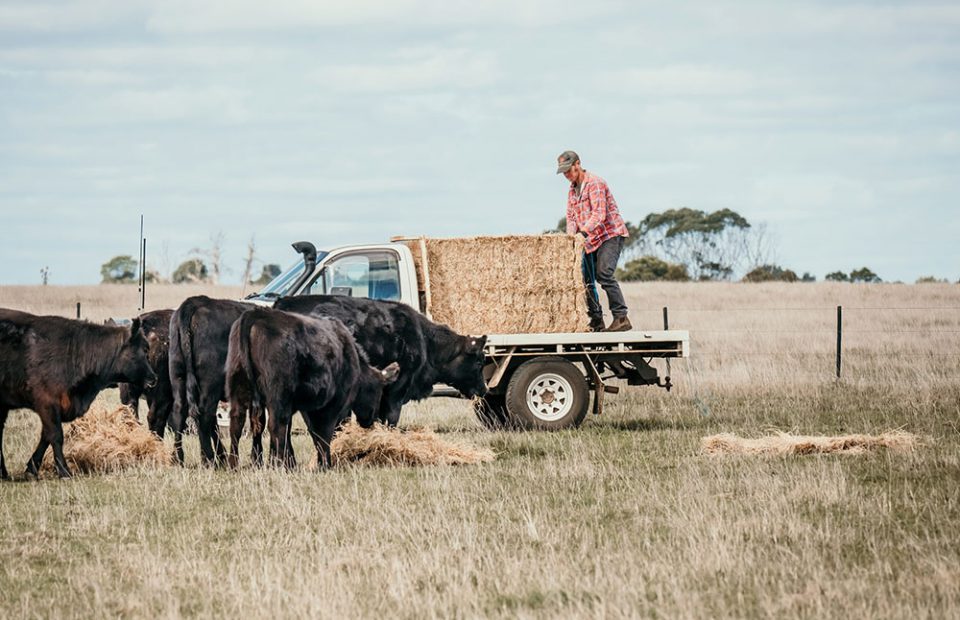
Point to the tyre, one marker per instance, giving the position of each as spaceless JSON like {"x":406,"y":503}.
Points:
{"x":491,"y":410}
{"x":547,"y":393}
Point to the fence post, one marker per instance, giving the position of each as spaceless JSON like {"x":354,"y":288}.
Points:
{"x":78,"y":310}
{"x":666,"y":320}
{"x":839,"y":339}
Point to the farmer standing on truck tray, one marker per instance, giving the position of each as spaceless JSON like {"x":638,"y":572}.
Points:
{"x":592,"y":212}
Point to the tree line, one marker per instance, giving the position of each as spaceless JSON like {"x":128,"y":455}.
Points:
{"x":683,"y":245}
{"x":202,"y":265}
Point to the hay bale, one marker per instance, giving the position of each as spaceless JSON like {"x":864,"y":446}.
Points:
{"x":785,"y":443}
{"x":505,"y":285}
{"x":107,"y":440}
{"x":382,"y":445}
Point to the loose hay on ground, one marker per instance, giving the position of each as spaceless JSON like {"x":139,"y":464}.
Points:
{"x":382,"y":445}
{"x":106,"y":440}
{"x":785,"y":443}
{"x":504,"y":285}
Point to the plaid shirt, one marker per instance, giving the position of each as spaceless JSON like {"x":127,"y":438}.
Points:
{"x":594,"y":212}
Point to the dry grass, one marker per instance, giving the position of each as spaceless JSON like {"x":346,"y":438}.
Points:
{"x":785,"y":443}
{"x":624,"y":517}
{"x":109,"y":440}
{"x":98,"y":303}
{"x":385,"y":446}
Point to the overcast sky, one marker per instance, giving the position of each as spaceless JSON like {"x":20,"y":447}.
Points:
{"x":837,"y":124}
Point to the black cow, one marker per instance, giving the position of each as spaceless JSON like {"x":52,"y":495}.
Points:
{"x":156,"y":329}
{"x":199,"y":336}
{"x":288,"y":363}
{"x":388,"y":331}
{"x":57,"y":366}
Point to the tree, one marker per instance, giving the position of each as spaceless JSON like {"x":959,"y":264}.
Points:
{"x":837,"y":276}
{"x":864,"y":275}
{"x":190,"y":271}
{"x":248,"y":263}
{"x":214,"y":255}
{"x":771,"y":273}
{"x":650,"y":268}
{"x":931,"y":280}
{"x":808,"y":277}
{"x":270,"y":271}
{"x":119,"y":270}
{"x":711,"y":245}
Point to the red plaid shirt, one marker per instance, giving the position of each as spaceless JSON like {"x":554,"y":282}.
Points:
{"x":594,"y":212}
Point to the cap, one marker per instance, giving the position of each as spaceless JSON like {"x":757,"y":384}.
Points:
{"x":566,"y":161}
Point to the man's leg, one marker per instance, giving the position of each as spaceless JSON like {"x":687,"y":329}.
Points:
{"x":607,"y":256}
{"x":594,"y":311}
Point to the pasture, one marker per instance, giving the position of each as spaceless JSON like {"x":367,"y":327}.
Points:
{"x":623,"y":517}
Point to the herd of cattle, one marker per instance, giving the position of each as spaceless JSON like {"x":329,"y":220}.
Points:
{"x":324,"y":356}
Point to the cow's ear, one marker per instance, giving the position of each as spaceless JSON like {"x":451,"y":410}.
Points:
{"x":389,"y":374}
{"x":480,"y":342}
{"x":135,"y":328}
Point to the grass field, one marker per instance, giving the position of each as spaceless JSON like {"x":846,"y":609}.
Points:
{"x":623,"y":517}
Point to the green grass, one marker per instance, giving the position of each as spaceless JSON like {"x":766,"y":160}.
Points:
{"x":622,"y":517}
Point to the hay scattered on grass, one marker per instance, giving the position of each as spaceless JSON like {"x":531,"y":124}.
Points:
{"x":785,"y":443}
{"x":505,"y":285}
{"x":107,"y":440}
{"x":382,"y":445}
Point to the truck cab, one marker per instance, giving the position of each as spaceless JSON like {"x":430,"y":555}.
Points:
{"x":379,"y":271}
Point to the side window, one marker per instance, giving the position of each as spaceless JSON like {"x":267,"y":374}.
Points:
{"x":375,"y":275}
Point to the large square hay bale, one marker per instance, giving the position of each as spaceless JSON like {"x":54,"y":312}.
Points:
{"x":504,"y":285}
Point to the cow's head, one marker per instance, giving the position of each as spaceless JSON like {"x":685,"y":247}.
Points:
{"x":132,"y":365}
{"x":372,"y":382}
{"x":465,"y":370}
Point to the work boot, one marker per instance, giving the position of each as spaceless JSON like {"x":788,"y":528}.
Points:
{"x":596,"y":324}
{"x":619,"y":324}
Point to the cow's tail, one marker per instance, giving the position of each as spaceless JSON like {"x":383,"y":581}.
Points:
{"x":241,"y":372}
{"x":185,"y":330}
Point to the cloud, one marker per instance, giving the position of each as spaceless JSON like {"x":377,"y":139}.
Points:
{"x":411,"y":70}
{"x":675,"y":80}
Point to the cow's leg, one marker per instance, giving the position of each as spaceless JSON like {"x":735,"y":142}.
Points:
{"x":177,"y":423}
{"x":393,"y":413}
{"x":287,"y":456}
{"x":281,"y":453}
{"x":238,"y":417}
{"x":3,"y":464}
{"x":383,"y":410}
{"x":257,"y":424}
{"x":159,"y":415}
{"x":33,"y":464}
{"x":56,"y":440}
{"x":178,"y":416}
{"x":324,"y":436}
{"x":211,"y":447}
{"x":51,"y":434}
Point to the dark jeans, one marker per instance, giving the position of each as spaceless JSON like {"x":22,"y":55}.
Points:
{"x":599,"y":266}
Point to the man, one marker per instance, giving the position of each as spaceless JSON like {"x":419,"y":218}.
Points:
{"x":592,"y":212}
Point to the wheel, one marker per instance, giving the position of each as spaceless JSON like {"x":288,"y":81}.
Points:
{"x":491,"y":410}
{"x":547,"y":393}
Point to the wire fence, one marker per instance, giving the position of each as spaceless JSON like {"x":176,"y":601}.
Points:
{"x":845,"y":327}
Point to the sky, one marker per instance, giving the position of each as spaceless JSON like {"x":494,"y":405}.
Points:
{"x":834,"y":124}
